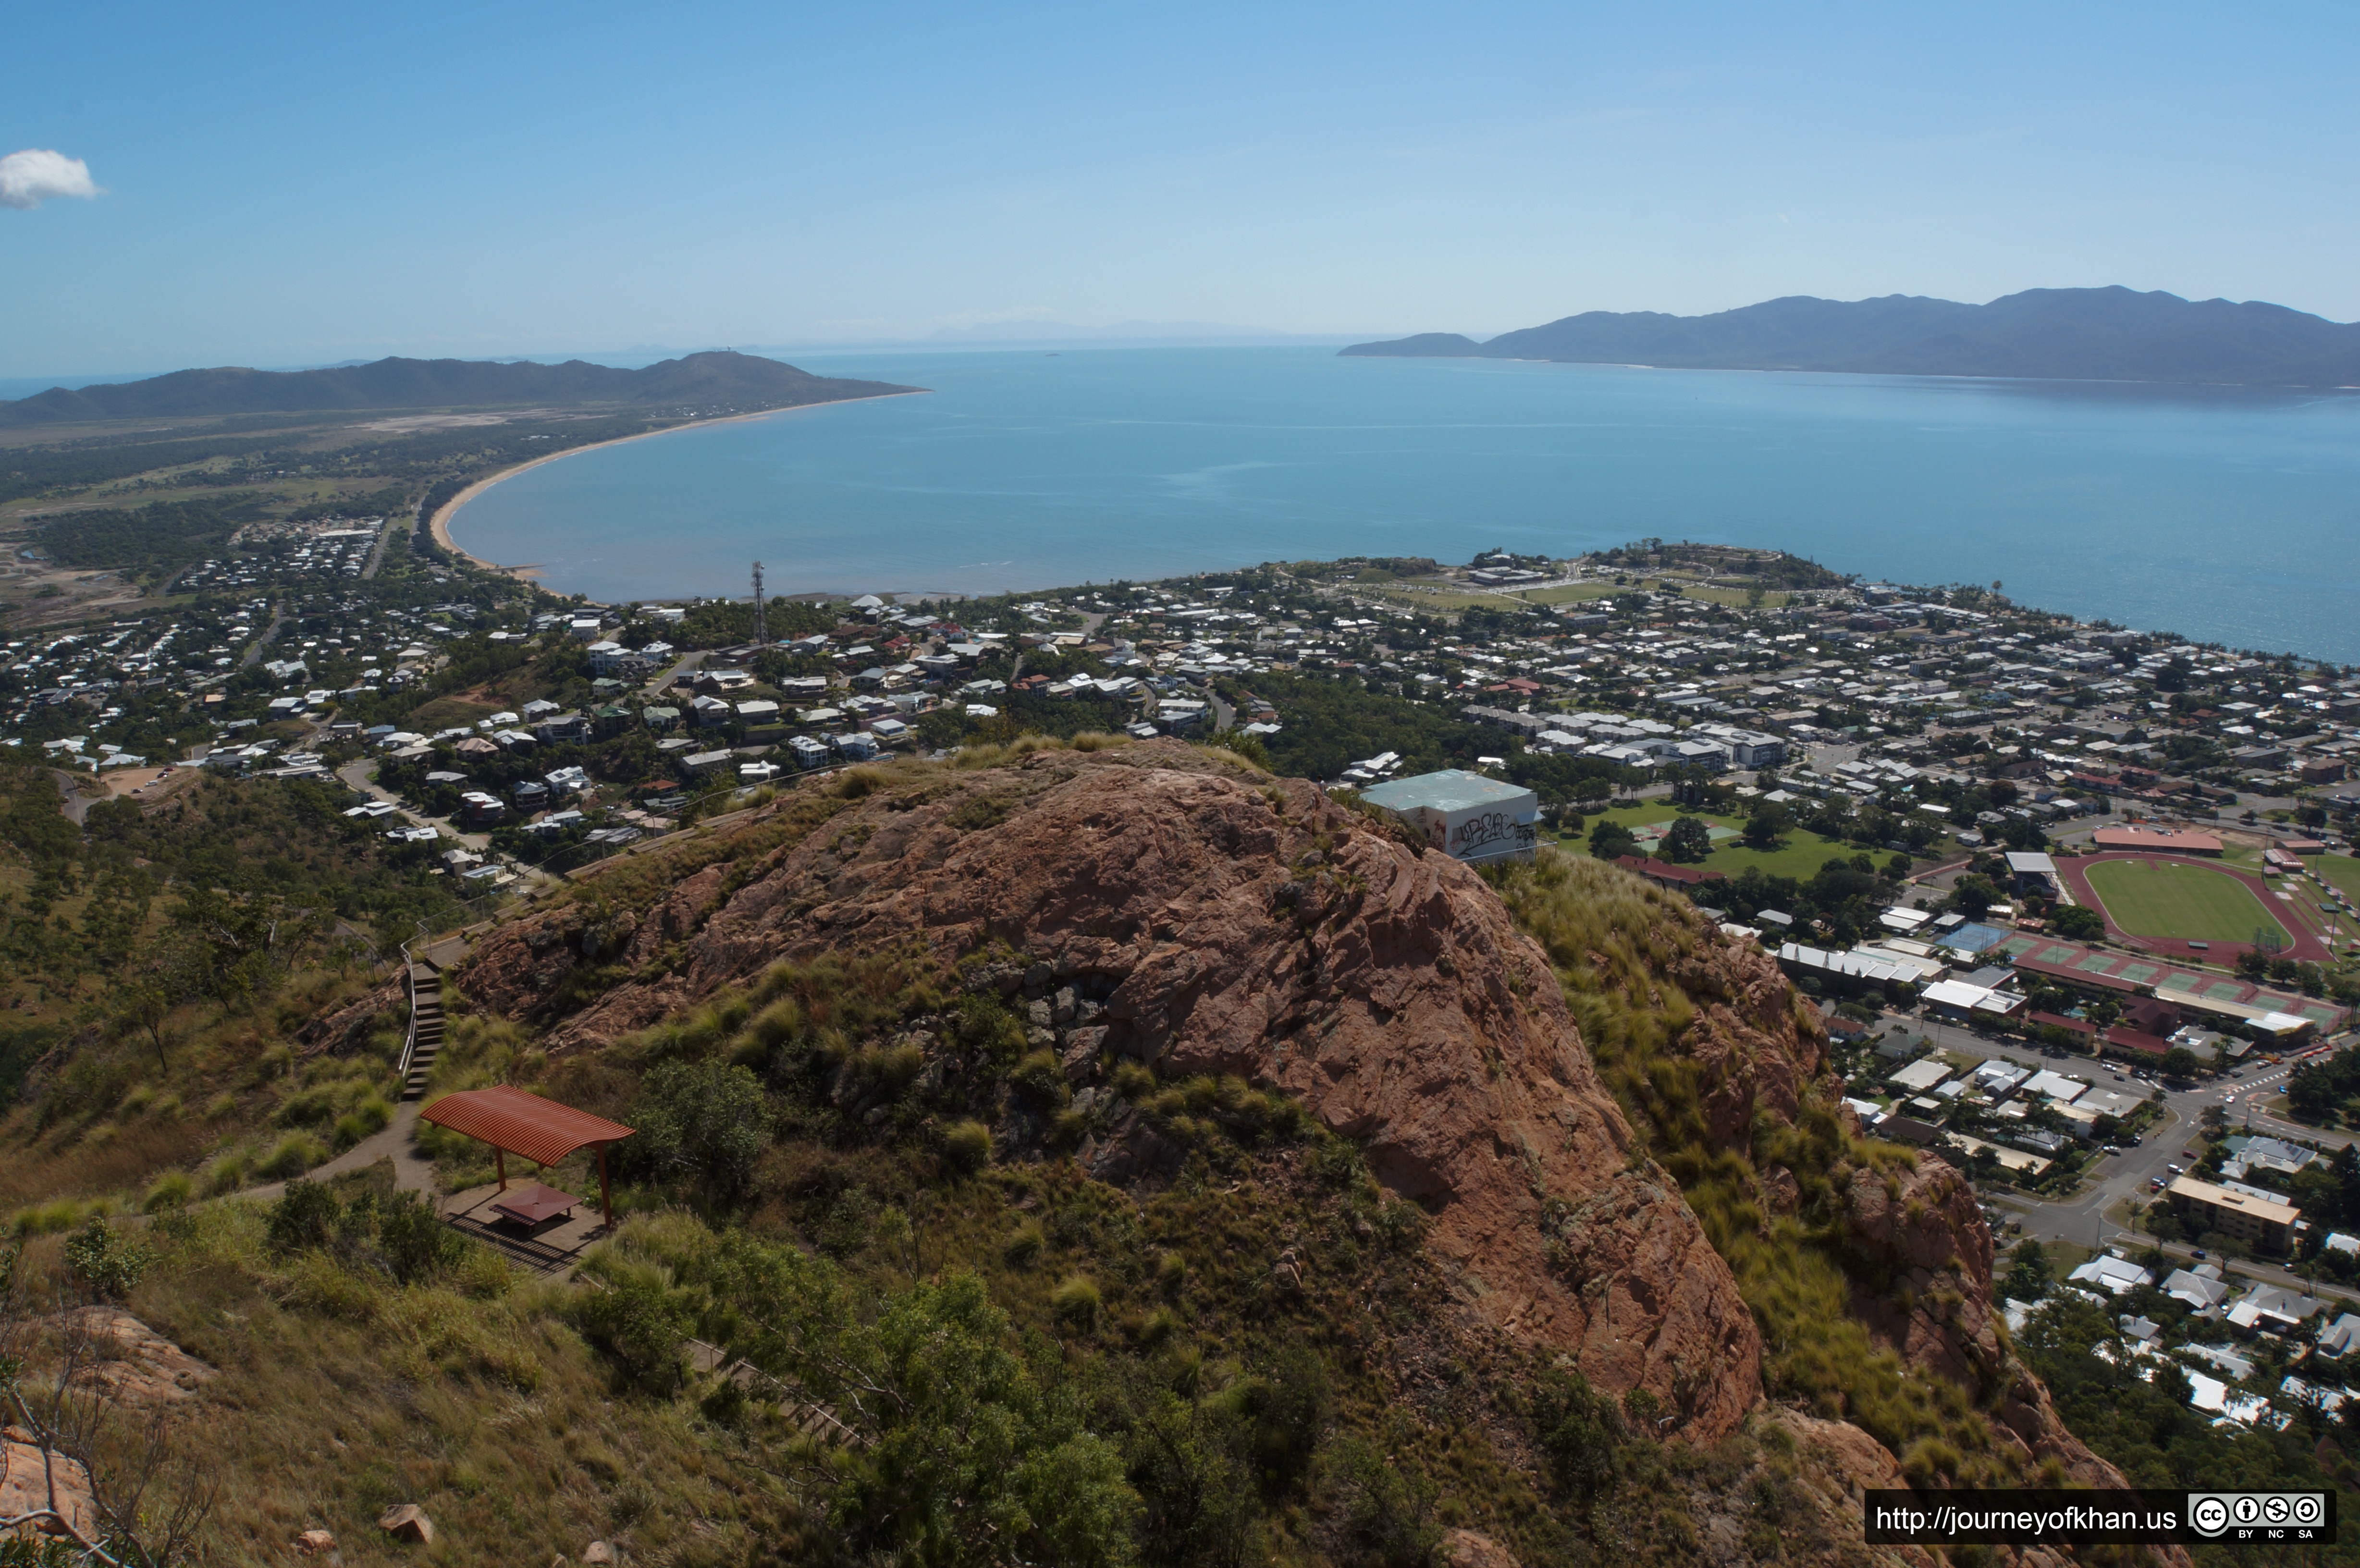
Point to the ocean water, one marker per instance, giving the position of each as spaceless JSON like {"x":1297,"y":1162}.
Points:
{"x":2226,"y":515}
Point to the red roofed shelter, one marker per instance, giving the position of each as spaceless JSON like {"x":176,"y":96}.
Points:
{"x":542,"y":1131}
{"x":2159,"y":840}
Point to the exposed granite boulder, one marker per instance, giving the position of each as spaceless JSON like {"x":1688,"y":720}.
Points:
{"x":134,"y":1363}
{"x":28,"y":1474}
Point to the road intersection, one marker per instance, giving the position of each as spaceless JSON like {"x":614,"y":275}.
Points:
{"x":2092,"y":1218}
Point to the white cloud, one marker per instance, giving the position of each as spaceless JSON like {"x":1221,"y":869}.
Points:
{"x":37,"y":175}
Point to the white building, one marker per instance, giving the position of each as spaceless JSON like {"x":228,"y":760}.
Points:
{"x":1465,"y":815}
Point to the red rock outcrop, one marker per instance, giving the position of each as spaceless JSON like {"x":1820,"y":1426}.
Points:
{"x":1764,"y":1053}
{"x":1234,"y":926}
{"x":33,"y":1479}
{"x":1177,"y":911}
{"x":131,"y":1362}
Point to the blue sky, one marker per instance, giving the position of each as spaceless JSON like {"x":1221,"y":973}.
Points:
{"x":293,"y":185}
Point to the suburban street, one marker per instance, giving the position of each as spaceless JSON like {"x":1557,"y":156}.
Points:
{"x":2083,"y":1221}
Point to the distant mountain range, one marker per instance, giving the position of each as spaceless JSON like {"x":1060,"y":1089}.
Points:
{"x":701,"y":381}
{"x":2085,"y":334}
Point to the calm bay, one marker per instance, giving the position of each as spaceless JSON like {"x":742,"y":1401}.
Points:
{"x":2227,"y":515}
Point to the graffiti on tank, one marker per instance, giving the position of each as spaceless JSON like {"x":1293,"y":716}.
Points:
{"x":1489,"y":832}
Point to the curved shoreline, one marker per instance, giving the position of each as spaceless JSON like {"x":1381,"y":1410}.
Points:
{"x":437,"y":527}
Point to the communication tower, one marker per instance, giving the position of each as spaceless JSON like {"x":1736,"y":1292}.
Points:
{"x":761,"y":620}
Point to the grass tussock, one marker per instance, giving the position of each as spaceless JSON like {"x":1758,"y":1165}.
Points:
{"x":1617,"y":943}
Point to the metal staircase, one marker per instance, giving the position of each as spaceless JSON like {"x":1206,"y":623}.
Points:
{"x":425,"y":1028}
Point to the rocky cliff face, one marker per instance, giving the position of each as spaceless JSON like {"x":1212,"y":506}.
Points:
{"x":1229,"y":925}
{"x":1151,"y":903}
{"x":1762,"y":1053}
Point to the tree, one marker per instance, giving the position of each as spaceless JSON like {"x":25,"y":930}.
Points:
{"x":2078,"y":922}
{"x":1688,"y":840}
{"x":1610,"y":840}
{"x":1897,"y":868}
{"x":2179,"y":1063}
{"x":967,"y":1458}
{"x":708,"y":1121}
{"x":1765,"y":827}
{"x":2030,"y":1276}
{"x":1975,"y":894}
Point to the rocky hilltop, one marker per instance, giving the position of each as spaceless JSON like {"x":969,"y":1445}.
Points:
{"x":1161,"y":905}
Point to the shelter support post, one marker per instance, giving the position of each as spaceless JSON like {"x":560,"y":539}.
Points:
{"x":500,"y":1164}
{"x":606,"y":1206}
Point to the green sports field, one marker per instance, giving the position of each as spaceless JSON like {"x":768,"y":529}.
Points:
{"x":2172,"y":898}
{"x":2341,"y":870}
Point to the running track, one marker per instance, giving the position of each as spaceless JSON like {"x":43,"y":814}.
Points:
{"x":2075,"y":873}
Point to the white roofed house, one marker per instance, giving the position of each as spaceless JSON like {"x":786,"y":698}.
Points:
{"x":1958,"y":999}
{"x":1921,"y":1075}
{"x":2056,"y":1087}
{"x":2114,"y":1275}
{"x":574,"y":729}
{"x":2273,"y":1309}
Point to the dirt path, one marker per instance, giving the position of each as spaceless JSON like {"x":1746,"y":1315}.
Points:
{"x":411,"y":1174}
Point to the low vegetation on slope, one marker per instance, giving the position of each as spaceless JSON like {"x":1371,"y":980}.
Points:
{"x":1622,"y":949}
{"x":906,"y":1274}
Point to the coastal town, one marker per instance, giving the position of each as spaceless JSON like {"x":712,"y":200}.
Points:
{"x":1554,"y":788}
{"x":2074,"y":901}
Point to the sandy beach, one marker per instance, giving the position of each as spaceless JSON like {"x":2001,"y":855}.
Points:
{"x":439,"y":524}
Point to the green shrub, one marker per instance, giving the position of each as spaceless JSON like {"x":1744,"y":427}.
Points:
{"x":706,"y":1122}
{"x":171,"y":1189}
{"x":110,"y":1263}
{"x":415,"y":1241}
{"x":1384,"y":1511}
{"x":304,"y":1216}
{"x":641,"y":1323}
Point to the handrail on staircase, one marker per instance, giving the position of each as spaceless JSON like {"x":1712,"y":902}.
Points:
{"x":409,"y":983}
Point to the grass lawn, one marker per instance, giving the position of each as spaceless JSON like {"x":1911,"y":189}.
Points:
{"x":2341,"y":871}
{"x":1800,"y":856}
{"x":1420,"y":594}
{"x":2171,"y":899}
{"x":449,"y":713}
{"x":1572,"y":593}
